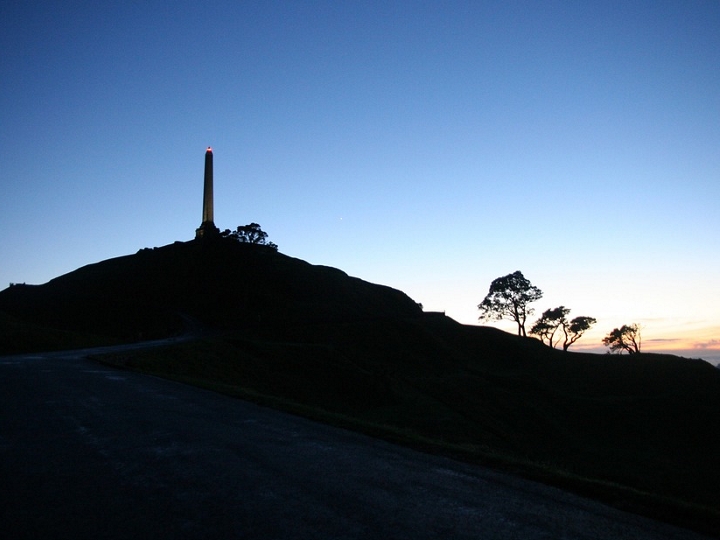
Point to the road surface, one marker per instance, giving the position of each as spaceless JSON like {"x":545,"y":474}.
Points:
{"x":87,"y":451}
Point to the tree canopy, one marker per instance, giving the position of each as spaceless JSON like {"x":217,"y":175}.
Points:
{"x":626,"y":338}
{"x":547,"y":326}
{"x":552,"y":320}
{"x":575,"y":329}
{"x":250,"y":234}
{"x":509,"y":298}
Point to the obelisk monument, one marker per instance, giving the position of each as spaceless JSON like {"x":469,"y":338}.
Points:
{"x":207,"y":227}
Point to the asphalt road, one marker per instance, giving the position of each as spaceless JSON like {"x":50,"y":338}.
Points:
{"x":91,"y":452}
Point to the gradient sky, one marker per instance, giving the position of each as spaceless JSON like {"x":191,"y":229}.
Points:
{"x":429,"y":146}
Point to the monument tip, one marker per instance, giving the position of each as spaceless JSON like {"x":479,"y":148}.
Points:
{"x":209,"y":150}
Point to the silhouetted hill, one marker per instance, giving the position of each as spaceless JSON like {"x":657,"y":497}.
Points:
{"x":639,"y":431}
{"x":222,"y":283}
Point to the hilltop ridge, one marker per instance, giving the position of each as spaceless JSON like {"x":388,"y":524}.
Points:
{"x":221,"y":283}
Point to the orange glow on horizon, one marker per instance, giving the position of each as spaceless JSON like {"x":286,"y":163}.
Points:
{"x":700,"y":342}
{"x":690,"y":340}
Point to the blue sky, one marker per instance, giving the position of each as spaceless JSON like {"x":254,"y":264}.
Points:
{"x":429,"y":146}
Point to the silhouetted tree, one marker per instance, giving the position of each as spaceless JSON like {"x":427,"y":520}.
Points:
{"x":575,"y":329}
{"x":547,"y":326}
{"x":250,"y":234}
{"x":508,"y":298}
{"x":555,"y":319}
{"x":626,"y":338}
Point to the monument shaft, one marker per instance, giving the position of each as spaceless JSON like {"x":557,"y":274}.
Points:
{"x":207,"y":215}
{"x":207,"y":227}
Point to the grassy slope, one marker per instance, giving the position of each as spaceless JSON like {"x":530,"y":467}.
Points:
{"x":18,"y":336}
{"x":638,"y":432}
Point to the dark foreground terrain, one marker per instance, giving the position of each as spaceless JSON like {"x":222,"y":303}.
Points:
{"x":90,"y":452}
{"x":639,"y":433}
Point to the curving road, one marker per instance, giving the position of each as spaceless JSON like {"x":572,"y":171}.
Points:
{"x":90,"y":452}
